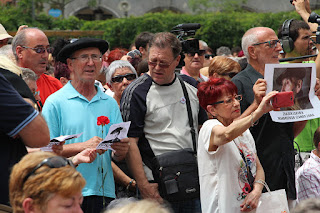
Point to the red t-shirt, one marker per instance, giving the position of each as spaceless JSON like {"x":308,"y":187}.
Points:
{"x":47,"y":85}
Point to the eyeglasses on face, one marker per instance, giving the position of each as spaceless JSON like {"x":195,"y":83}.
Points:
{"x":40,"y":50}
{"x":207,"y":56}
{"x":230,"y":74}
{"x":229,"y":101}
{"x":36,"y":93}
{"x":119,"y":78}
{"x":199,"y":52}
{"x":161,"y":65}
{"x":272,"y":43}
{"x":52,"y":162}
{"x":86,"y":58}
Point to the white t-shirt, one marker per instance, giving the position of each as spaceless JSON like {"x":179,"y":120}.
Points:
{"x":222,"y":172}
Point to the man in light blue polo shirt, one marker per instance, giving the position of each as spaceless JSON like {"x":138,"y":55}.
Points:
{"x":75,"y":109}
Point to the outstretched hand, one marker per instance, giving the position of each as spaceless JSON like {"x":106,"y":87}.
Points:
{"x":265,"y":105}
{"x":58,"y":148}
{"x":86,"y":156}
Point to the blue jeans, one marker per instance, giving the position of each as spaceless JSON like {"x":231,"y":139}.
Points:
{"x":188,"y":206}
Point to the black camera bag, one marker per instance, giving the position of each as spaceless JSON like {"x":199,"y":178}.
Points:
{"x":176,"y":173}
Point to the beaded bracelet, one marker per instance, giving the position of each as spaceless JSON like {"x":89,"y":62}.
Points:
{"x":259,"y":181}
{"x":130,"y":183}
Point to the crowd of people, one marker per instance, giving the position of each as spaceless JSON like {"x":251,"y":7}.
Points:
{"x":214,"y":106}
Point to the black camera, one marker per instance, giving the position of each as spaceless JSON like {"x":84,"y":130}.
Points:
{"x":186,"y":30}
{"x":315,"y":18}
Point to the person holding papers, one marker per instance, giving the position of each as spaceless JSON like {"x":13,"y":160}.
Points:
{"x":75,"y":109}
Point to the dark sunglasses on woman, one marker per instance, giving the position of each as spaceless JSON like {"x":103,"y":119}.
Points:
{"x":119,"y":78}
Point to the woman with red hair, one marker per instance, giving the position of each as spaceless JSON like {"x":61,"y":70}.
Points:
{"x":116,"y":54}
{"x":230,"y":172}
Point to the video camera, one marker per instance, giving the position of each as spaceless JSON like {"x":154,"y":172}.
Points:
{"x":186,"y":30}
{"x":315,"y":18}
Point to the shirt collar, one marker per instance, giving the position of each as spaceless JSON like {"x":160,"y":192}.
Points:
{"x":314,"y":156}
{"x":73,"y":93}
{"x":201,"y":77}
{"x":253,"y":74}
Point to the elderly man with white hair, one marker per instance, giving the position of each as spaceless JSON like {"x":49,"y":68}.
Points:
{"x":119,"y":75}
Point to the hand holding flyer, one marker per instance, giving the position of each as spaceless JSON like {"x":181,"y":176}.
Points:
{"x":58,"y":140}
{"x":115,"y":134}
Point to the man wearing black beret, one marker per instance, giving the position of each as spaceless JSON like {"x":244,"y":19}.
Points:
{"x":75,"y":109}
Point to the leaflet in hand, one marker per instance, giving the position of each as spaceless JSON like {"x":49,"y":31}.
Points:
{"x":58,"y":140}
{"x":115,"y":134}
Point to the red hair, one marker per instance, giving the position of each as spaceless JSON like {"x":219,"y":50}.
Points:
{"x":211,"y":90}
{"x":116,"y":54}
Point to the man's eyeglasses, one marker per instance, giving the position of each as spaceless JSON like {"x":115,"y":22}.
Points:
{"x":229,"y":100}
{"x":119,"y":78}
{"x":207,"y":56}
{"x":40,"y":50}
{"x":52,"y":162}
{"x":272,"y":43}
{"x":86,"y":58}
{"x":161,"y":65}
{"x":199,"y":52}
{"x":230,"y":74}
{"x":36,"y":93}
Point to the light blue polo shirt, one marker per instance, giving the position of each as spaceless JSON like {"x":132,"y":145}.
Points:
{"x":68,"y":112}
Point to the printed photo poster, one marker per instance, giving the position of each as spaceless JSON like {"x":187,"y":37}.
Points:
{"x":300,"y":78}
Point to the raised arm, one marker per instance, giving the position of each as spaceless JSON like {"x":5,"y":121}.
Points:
{"x":221,"y":135}
{"x":303,"y":8}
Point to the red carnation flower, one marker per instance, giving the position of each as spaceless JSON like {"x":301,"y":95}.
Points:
{"x":103,"y":120}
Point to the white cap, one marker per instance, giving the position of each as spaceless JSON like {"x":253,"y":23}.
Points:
{"x":3,"y":33}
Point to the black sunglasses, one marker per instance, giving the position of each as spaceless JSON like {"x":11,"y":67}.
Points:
{"x":52,"y":162}
{"x":119,"y":78}
{"x":199,"y":52}
{"x":207,"y":56}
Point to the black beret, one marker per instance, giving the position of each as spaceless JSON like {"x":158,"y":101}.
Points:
{"x":298,"y":73}
{"x":79,"y":44}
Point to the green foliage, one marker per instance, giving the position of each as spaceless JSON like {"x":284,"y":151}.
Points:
{"x":71,"y":23}
{"x":200,"y":5}
{"x":92,"y":3}
{"x":218,"y":28}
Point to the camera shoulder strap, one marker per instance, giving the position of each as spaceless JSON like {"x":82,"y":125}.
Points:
{"x":192,"y":130}
{"x":148,"y":159}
